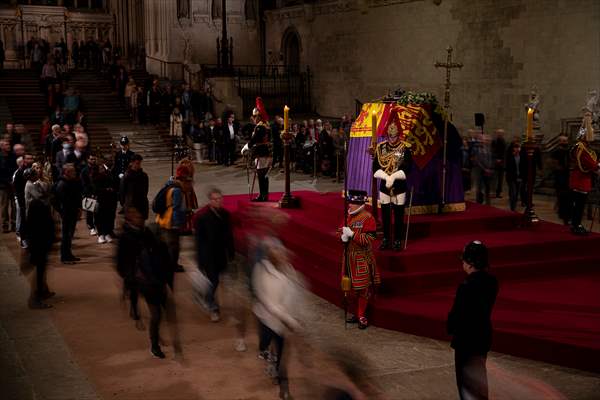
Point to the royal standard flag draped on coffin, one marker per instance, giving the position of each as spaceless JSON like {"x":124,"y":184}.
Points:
{"x":421,"y":126}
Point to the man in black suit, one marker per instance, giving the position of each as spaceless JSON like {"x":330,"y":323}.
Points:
{"x":230,"y":132}
{"x":211,"y":133}
{"x":469,"y":322}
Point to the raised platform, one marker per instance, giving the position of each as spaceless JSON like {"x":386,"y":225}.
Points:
{"x":548,"y":307}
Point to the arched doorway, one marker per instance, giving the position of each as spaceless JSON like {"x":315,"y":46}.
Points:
{"x":291,"y":48}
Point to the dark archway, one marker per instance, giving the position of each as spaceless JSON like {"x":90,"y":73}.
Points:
{"x":291,"y":48}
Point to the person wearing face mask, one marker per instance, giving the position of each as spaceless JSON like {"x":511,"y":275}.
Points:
{"x":65,"y":156}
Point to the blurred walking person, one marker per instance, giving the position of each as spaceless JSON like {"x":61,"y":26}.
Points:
{"x":40,"y":243}
{"x":155,"y":279}
{"x":277,"y":292}
{"x":214,"y":245}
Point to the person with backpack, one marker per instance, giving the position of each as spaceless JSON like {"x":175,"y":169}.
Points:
{"x":170,"y":207}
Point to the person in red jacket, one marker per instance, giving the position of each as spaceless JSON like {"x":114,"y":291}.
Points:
{"x":584,"y":163}
{"x":358,"y":264}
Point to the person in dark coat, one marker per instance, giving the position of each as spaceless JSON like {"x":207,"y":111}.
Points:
{"x":40,"y":242}
{"x":514,"y":180}
{"x":214,"y":244}
{"x":131,"y":242}
{"x":105,"y":189}
{"x":89,"y":170}
{"x":469,"y":322}
{"x":155,"y":278}
{"x":134,"y":187}
{"x":68,"y":192}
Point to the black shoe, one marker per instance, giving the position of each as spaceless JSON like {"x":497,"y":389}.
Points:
{"x":579,"y":230}
{"x":363,"y":323}
{"x":157,"y":352}
{"x":397,"y":245}
{"x":5,"y":229}
{"x":179,"y":268}
{"x":47,"y":295}
{"x":257,"y":199}
{"x":352,"y":320}
{"x":385,"y":245}
{"x":39,"y":305}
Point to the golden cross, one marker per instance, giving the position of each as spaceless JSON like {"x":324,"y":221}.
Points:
{"x":448,"y":65}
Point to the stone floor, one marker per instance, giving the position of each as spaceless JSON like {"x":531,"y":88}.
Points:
{"x":86,"y":347}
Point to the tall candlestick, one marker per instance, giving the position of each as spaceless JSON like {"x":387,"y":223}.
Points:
{"x":286,"y":112}
{"x":530,"y":112}
{"x":373,"y":129}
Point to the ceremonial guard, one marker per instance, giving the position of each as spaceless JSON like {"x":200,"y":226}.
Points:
{"x":260,"y":149}
{"x":584,"y":163}
{"x":391,"y":163}
{"x":359,"y":270}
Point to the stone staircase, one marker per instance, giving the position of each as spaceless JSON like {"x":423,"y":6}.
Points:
{"x":110,"y":119}
{"x":23,"y":102}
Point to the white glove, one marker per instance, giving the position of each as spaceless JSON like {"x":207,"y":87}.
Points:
{"x":389,"y":182}
{"x":345,"y":238}
{"x":120,"y":176}
{"x":347,"y":231}
{"x":399,"y":175}
{"x":245,"y":149}
{"x":380,"y":174}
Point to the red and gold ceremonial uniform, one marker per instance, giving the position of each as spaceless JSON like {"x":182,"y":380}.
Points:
{"x":361,"y":266}
{"x":585,"y":164}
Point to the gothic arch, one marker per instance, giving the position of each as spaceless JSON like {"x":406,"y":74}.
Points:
{"x":216,"y":10}
{"x":250,"y":10}
{"x":291,"y":48}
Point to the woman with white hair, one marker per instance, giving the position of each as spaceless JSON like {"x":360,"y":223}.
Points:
{"x":277,"y":291}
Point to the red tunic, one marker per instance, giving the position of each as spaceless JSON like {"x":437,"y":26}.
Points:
{"x":362,"y":268}
{"x":584,"y":165}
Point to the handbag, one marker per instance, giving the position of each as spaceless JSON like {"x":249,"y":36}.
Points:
{"x":89,"y":204}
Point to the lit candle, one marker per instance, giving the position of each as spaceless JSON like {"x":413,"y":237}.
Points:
{"x":373,"y":129}
{"x":286,"y":112}
{"x":530,"y":112}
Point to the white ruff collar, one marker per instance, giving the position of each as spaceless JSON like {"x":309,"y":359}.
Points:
{"x":359,"y":209}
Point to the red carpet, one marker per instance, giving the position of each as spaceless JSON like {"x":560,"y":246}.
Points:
{"x":548,"y":307}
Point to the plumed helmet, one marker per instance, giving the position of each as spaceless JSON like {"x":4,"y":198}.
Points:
{"x":124,"y":140}
{"x":260,"y":110}
{"x":475,"y":253}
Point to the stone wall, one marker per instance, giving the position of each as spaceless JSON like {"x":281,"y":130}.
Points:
{"x":361,"y":49}
{"x":170,"y":39}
